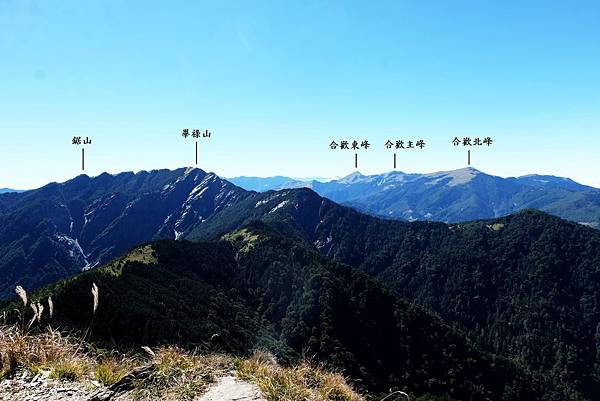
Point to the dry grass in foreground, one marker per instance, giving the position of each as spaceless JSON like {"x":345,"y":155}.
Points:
{"x":171,"y":374}
{"x":302,"y":382}
{"x":44,"y":351}
{"x":168,"y":373}
{"x":180,"y":375}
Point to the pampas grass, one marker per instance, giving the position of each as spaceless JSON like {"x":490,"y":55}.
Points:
{"x":174,"y":374}
{"x":22,"y":294}
{"x":95,"y":296}
{"x":35,"y":315}
{"x":394,"y":394}
{"x":45,"y":351}
{"x":50,"y":307}
{"x":149,"y":351}
{"x":40,"y":311}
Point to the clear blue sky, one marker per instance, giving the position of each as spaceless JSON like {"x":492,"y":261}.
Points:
{"x":276,"y":81}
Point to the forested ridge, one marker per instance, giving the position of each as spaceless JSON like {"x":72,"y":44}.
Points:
{"x":525,"y":286}
{"x":256,"y":289}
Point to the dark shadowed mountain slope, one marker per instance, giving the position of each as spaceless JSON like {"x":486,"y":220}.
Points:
{"x":452,"y":196}
{"x":57,"y":230}
{"x":526,"y":286}
{"x":257,"y":289}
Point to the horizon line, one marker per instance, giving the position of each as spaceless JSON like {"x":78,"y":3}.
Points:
{"x":299,"y":179}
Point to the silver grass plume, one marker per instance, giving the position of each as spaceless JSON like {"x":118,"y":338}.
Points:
{"x":22,"y":294}
{"x":35,"y":315}
{"x":50,"y":307}
{"x":95,"y":295}
{"x":149,"y":351}
{"x":40,"y":309}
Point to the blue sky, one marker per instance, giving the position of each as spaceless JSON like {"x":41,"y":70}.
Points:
{"x":276,"y":81}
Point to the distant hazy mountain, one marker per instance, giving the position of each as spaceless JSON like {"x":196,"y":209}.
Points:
{"x":262,"y":184}
{"x":6,"y":190}
{"x":452,"y":196}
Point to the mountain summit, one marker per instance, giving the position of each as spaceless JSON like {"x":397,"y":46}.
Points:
{"x":60,"y":229}
{"x":453,"y":196}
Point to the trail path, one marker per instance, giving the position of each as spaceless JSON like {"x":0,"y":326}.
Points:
{"x":229,"y":388}
{"x":40,"y":388}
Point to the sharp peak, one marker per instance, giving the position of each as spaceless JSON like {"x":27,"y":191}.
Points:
{"x":352,"y":177}
{"x":77,"y":178}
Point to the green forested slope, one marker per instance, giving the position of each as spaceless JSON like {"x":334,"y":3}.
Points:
{"x":257,"y":289}
{"x":526,"y":286}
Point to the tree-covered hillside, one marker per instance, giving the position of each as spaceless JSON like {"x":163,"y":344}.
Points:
{"x":526,"y":286}
{"x":257,"y":289}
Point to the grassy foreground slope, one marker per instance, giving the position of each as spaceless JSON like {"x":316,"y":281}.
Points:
{"x":40,"y":363}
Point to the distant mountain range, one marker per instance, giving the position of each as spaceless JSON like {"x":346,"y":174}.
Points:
{"x":60,"y":229}
{"x":5,"y":190}
{"x":278,"y":182}
{"x":513,"y":296}
{"x":450,"y":196}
